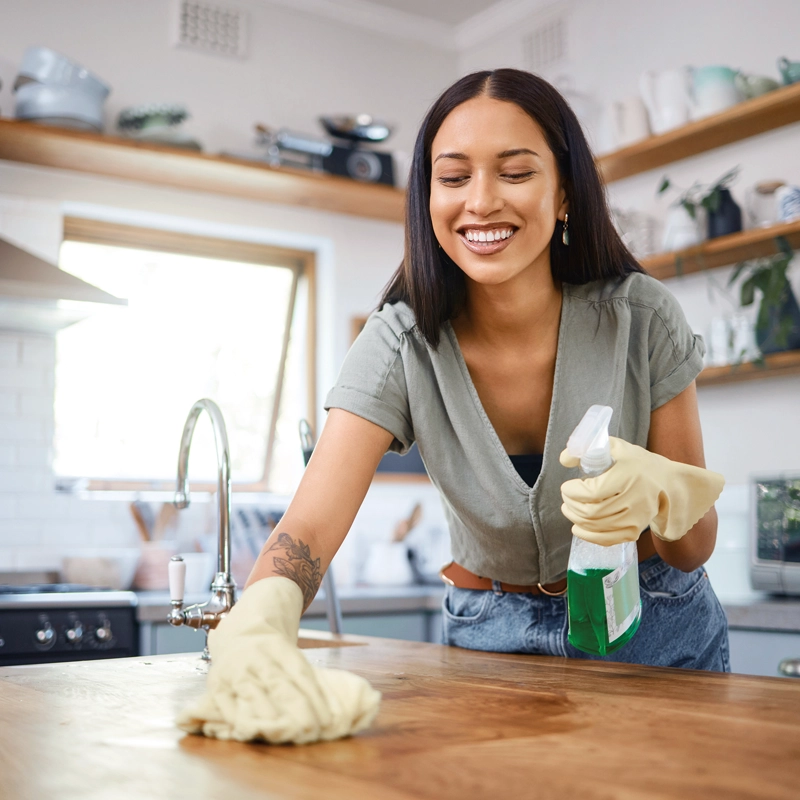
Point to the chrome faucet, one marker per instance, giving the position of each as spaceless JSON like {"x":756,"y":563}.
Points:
{"x":206,"y":615}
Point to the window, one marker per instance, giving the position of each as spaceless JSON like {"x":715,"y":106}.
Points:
{"x":228,"y":320}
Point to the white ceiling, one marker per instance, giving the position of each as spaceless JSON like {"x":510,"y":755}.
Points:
{"x":451,"y":12}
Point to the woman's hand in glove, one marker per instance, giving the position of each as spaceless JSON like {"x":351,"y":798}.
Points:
{"x":261,"y":686}
{"x":641,"y":489}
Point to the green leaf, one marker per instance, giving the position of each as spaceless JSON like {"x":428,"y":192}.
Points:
{"x":740,"y":267}
{"x":748,"y":291}
{"x":712,"y":201}
{"x":727,"y":179}
{"x":689,"y":206}
{"x":665,"y":184}
{"x":784,"y":329}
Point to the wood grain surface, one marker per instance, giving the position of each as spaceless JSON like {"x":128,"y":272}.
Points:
{"x":453,"y":724}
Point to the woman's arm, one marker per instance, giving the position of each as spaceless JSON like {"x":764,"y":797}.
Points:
{"x":675,"y":434}
{"x":325,"y":504}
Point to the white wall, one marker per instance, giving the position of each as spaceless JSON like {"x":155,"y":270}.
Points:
{"x":298,"y":67}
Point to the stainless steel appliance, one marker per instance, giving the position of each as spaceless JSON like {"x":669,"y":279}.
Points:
{"x":775,"y":534}
{"x":47,"y":623}
{"x":285,"y":148}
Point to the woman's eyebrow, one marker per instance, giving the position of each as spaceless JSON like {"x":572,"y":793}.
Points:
{"x":517,"y":151}
{"x":459,"y":156}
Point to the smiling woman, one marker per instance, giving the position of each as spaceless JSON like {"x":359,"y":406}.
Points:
{"x":516,"y":307}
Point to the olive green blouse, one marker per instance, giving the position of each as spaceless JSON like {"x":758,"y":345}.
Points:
{"x":623,"y":343}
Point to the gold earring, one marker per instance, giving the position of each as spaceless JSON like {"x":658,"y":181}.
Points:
{"x":565,"y":231}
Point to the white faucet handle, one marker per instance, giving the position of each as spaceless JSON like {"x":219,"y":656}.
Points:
{"x":177,"y":579}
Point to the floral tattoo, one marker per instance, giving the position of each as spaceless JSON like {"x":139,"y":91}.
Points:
{"x":297,"y":565}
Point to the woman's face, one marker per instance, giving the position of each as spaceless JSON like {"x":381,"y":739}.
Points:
{"x":495,"y":191}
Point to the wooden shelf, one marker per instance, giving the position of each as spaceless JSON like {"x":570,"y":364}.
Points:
{"x":777,"y":365}
{"x":722,"y":251}
{"x":160,"y":165}
{"x":772,"y":110}
{"x":116,"y":157}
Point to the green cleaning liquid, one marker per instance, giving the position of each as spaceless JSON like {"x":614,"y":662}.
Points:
{"x":604,"y":608}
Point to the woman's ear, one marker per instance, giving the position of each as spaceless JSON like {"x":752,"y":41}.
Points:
{"x":563,"y":209}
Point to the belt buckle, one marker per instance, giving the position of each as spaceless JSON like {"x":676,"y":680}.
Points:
{"x":552,"y":594}
{"x":444,"y":577}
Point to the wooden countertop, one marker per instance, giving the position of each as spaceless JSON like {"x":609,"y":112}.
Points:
{"x":454,"y":724}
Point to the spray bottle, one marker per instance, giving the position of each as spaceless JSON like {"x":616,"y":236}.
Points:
{"x":602,"y":582}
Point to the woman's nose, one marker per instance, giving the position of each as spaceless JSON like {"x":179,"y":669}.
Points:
{"x":482,"y":196}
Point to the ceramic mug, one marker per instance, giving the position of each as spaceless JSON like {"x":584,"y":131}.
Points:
{"x":754,"y":85}
{"x":790,"y":70}
{"x":666,"y":96}
{"x":713,"y":89}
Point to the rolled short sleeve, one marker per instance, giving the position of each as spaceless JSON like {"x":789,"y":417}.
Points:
{"x":372,"y":384}
{"x":675,"y":352}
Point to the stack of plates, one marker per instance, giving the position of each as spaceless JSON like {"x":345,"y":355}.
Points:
{"x":52,"y":89}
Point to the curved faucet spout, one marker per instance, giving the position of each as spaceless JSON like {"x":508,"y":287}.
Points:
{"x":223,"y":481}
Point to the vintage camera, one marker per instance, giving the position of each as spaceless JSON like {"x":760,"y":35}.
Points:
{"x":360,"y":163}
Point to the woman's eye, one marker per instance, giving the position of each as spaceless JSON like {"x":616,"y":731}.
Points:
{"x":452,"y":180}
{"x":518,"y":176}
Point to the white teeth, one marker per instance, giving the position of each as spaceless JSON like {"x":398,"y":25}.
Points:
{"x":487,"y":236}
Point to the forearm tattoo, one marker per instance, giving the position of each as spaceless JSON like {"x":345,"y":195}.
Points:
{"x":297,"y":565}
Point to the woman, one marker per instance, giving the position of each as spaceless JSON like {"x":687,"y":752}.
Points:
{"x":516,"y":307}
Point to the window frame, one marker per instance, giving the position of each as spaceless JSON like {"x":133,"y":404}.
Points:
{"x":303,"y":266}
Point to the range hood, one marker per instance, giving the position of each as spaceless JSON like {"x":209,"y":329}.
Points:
{"x":38,"y":297}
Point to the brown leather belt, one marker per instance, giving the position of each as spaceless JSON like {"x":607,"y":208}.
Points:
{"x":455,"y":575}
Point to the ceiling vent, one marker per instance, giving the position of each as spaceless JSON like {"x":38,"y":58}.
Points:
{"x":210,"y":28}
{"x":546,"y":46}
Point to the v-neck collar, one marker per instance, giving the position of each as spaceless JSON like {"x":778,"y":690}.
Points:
{"x":491,"y":432}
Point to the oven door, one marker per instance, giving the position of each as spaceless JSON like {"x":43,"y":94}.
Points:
{"x":41,"y":630}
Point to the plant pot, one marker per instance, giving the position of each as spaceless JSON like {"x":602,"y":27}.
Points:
{"x":727,"y":218}
{"x":768,"y":336}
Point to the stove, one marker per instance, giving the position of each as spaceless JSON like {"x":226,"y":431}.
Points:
{"x":47,"y":623}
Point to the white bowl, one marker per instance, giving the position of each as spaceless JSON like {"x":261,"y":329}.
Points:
{"x":71,"y":107}
{"x":107,"y":568}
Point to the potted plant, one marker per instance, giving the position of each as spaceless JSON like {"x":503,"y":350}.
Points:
{"x":723,"y":215}
{"x":777,"y":325}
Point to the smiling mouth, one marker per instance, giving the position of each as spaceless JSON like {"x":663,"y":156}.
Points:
{"x":487,"y":241}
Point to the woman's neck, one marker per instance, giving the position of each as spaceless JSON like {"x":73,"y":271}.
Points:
{"x":508,"y":315}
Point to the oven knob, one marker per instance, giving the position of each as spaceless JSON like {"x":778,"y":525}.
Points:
{"x":46,"y":636}
{"x":75,"y":633}
{"x":103,"y":634}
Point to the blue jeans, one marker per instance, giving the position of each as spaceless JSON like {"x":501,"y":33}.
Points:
{"x":683,"y":624}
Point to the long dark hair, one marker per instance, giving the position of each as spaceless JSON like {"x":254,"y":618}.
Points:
{"x":429,"y":281}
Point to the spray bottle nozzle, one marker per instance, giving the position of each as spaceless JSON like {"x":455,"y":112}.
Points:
{"x":589,"y":441}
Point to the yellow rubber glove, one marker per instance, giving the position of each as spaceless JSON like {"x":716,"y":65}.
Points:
{"x":641,"y":489}
{"x":261,"y":686}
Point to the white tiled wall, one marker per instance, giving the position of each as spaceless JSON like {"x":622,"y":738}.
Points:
{"x":36,"y":524}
